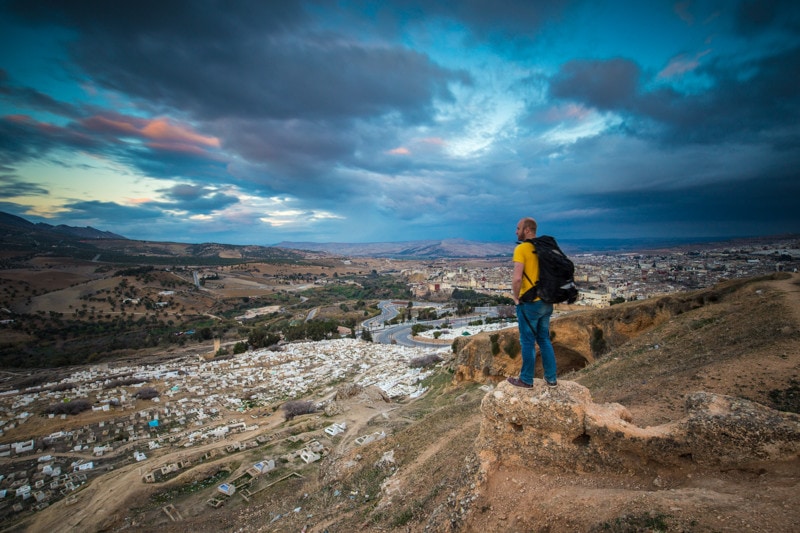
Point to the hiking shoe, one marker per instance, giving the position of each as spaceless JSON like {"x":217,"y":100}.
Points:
{"x":552,"y":384}
{"x":519,"y":383}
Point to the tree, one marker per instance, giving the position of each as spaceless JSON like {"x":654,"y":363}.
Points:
{"x":147,"y":393}
{"x":204,"y":334}
{"x":366,"y":335}
{"x":239,"y":347}
{"x":261,"y":338}
{"x":295,"y":408}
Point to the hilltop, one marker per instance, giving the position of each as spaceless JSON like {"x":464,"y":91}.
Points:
{"x":425,"y":249}
{"x":21,"y":225}
{"x":690,"y":404}
{"x":22,"y":239}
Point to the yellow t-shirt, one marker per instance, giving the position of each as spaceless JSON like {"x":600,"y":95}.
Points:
{"x":523,"y":253}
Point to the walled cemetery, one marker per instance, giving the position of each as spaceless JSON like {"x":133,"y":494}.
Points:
{"x":200,"y":402}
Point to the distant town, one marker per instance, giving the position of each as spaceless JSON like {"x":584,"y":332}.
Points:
{"x":610,"y":278}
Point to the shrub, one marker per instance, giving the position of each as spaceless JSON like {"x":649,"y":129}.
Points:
{"x":62,"y":387}
{"x":495,"y":344}
{"x":261,"y":338}
{"x":147,"y":393}
{"x":298,"y":407}
{"x":597,"y":343}
{"x":416,"y":329}
{"x":69,"y":408}
{"x":121,"y":382}
{"x":512,"y":347}
{"x":240,"y":347}
{"x":425,"y":360}
{"x":787,"y":399}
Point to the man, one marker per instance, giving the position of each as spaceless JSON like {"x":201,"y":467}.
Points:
{"x":533,"y":315}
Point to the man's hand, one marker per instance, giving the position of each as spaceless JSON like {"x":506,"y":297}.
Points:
{"x":516,"y":281}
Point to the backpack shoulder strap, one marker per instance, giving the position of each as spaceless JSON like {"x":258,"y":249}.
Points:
{"x":532,"y":241}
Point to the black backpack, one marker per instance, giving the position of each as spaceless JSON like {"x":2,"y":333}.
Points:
{"x":556,"y":271}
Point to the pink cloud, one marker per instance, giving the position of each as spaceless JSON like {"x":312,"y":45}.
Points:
{"x":164,"y":130}
{"x":400,"y":151}
{"x":183,"y":148}
{"x":159,"y":130}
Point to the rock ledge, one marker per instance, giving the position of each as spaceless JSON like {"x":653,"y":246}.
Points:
{"x":562,"y":428}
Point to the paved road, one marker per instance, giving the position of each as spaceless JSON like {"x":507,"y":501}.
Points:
{"x":401,"y":333}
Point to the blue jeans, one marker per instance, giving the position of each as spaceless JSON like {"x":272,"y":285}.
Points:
{"x":533,"y":319}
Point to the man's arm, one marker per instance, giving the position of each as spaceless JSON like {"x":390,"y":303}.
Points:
{"x":516,"y":281}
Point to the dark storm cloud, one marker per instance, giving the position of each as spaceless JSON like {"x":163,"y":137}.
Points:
{"x":17,"y":209}
{"x":758,"y":205}
{"x":293,"y":148}
{"x":358,"y":113}
{"x":11,"y":187}
{"x":196,"y":199}
{"x":514,"y":17}
{"x":497,"y":21}
{"x":752,"y":17}
{"x":23,"y":138}
{"x":251,"y":59}
{"x":169,"y":163}
{"x":109,"y":211}
{"x":607,"y":85}
{"x":734,"y":107}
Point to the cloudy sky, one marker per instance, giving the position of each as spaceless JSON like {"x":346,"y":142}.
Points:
{"x":255,"y":122}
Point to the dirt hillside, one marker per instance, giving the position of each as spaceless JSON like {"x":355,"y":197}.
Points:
{"x":739,"y":339}
{"x":431,"y":470}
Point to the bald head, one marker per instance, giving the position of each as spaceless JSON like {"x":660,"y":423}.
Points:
{"x":526,"y":229}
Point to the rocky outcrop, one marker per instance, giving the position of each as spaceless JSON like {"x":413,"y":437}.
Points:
{"x":562,"y":428}
{"x":491,"y":357}
{"x":580,"y":337}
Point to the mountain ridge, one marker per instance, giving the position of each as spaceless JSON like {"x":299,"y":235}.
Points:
{"x":86,"y":232}
{"x":424,"y":249}
{"x":37,"y":234}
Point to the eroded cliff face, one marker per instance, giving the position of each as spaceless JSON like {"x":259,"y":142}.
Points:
{"x":562,"y":428}
{"x":579,"y":338}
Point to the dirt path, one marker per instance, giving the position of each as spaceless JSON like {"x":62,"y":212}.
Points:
{"x":791,"y":288}
{"x":105,"y":499}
